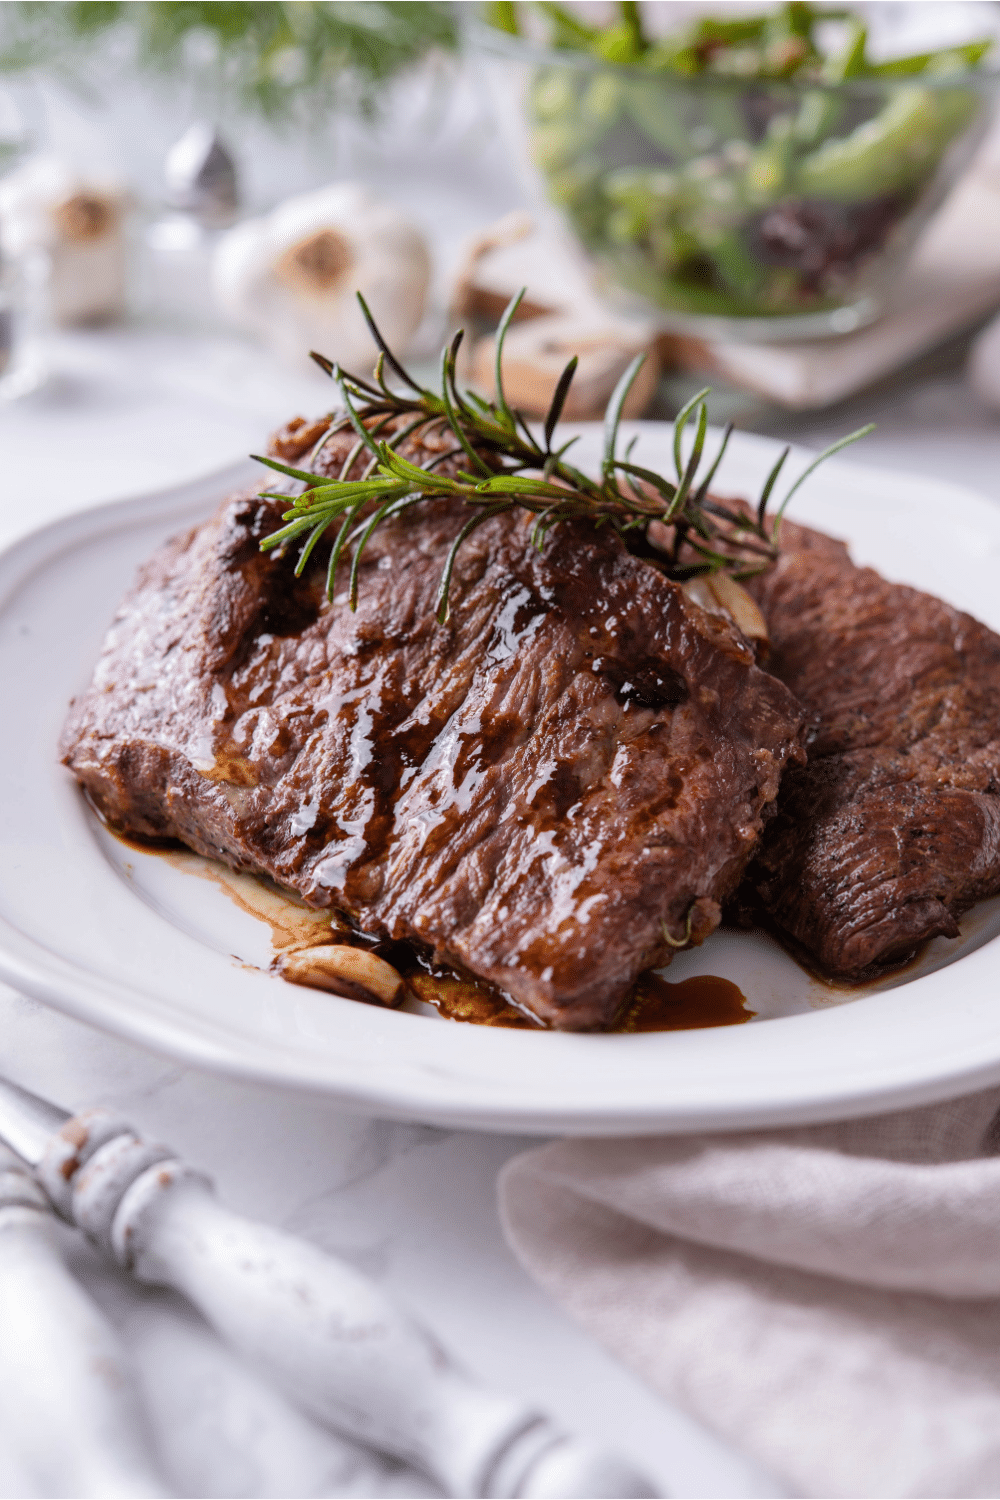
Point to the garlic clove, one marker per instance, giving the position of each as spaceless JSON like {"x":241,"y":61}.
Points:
{"x":79,"y":223}
{"x":742,"y":606}
{"x":698,"y":591}
{"x":291,"y":277}
{"x":353,"y":972}
{"x":536,"y":352}
{"x":721,"y":595}
{"x":319,"y":264}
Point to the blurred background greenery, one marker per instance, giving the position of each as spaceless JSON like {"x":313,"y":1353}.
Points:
{"x":287,"y":62}
{"x":381,"y":93}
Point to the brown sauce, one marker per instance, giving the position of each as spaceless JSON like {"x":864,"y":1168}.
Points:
{"x":703,"y":1000}
{"x":292,"y":923}
{"x":137,"y":841}
{"x":654,"y":1004}
{"x":457,"y":999}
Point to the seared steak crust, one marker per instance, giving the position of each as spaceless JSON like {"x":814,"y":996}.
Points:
{"x":579,"y":760}
{"x":892,"y":829}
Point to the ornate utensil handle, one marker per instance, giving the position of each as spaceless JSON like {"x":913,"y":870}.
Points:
{"x":324,"y":1333}
{"x":66,"y":1390}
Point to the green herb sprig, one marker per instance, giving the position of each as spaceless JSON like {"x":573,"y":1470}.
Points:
{"x":510,"y":468}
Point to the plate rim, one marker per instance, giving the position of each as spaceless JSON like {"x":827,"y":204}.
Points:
{"x":46,"y":976}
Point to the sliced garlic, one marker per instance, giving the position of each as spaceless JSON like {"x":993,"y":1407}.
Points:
{"x":721,"y":595}
{"x":698,"y":592}
{"x":344,"y":970}
{"x":742,"y":606}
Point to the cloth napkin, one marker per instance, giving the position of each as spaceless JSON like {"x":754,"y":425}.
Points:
{"x":827,"y":1298}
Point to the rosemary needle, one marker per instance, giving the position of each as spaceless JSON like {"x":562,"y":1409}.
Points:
{"x":506,"y":468}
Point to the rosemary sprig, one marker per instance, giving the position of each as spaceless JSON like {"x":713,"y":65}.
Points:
{"x":504,"y":467}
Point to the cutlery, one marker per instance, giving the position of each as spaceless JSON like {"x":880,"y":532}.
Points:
{"x":67,"y":1393}
{"x":325,"y":1334}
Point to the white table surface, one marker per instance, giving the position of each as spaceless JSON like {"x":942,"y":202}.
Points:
{"x":134,"y":410}
{"x":413,"y":1206}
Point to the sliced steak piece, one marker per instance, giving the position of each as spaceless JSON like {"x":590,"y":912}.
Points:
{"x":579,"y":762}
{"x":892,"y":829}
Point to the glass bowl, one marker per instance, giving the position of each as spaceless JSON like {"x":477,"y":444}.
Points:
{"x":755,"y":209}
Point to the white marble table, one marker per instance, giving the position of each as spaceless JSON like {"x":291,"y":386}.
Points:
{"x":413,"y":1206}
{"x":126,"y":412}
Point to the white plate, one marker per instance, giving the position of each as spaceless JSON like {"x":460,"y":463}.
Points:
{"x":143,"y":947}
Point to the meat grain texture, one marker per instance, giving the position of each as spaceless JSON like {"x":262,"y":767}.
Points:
{"x":892,"y":828}
{"x":577,"y":766}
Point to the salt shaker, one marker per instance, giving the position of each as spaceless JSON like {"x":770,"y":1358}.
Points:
{"x":201,"y":177}
{"x":202,"y":199}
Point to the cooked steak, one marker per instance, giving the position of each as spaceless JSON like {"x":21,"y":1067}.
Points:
{"x":541,"y":793}
{"x":892,"y":828}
